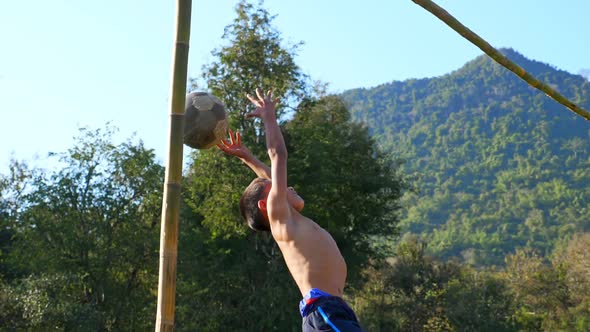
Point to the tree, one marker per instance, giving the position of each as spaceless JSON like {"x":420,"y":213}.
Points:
{"x":254,"y":57}
{"x":13,"y":189}
{"x":539,"y":288}
{"x":574,"y":262}
{"x":479,"y":301}
{"x":86,"y":236}
{"x":416,"y":292}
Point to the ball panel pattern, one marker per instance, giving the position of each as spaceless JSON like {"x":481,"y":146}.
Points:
{"x":205,"y":120}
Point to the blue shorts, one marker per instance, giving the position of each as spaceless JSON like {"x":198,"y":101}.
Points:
{"x":324,"y":312}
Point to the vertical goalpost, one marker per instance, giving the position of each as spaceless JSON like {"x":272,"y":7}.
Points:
{"x":173,"y":178}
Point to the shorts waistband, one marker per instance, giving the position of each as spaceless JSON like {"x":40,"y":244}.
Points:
{"x":312,"y":296}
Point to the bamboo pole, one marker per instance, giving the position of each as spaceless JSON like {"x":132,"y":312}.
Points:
{"x":173,"y":178}
{"x":452,"y":22}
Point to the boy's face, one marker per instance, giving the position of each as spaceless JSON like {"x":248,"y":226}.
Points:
{"x":294,"y":199}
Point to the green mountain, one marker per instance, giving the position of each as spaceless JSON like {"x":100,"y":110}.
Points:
{"x":498,"y":165}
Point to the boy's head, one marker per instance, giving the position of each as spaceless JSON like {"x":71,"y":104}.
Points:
{"x":256,"y":191}
{"x":253,"y":203}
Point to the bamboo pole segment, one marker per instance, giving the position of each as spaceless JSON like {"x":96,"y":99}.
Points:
{"x":452,"y":22}
{"x":173,"y":177}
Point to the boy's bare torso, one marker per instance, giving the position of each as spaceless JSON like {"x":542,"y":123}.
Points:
{"x":311,"y":254}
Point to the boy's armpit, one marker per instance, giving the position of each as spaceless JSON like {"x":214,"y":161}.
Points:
{"x":277,"y":207}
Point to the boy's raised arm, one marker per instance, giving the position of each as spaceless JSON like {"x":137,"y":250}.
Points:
{"x":277,"y":151}
{"x":234,"y":147}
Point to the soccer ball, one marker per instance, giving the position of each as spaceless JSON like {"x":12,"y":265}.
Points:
{"x":205,"y":121}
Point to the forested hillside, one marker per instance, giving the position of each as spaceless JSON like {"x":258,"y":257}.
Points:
{"x":498,"y":164}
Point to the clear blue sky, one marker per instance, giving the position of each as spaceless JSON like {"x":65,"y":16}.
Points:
{"x":71,"y":63}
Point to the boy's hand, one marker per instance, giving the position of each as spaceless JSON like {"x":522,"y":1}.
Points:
{"x":234,"y":146}
{"x":265,"y":105}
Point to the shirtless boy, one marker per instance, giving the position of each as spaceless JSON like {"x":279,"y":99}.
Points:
{"x":310,"y":252}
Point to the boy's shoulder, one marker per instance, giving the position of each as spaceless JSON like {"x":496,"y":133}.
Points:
{"x":293,"y":227}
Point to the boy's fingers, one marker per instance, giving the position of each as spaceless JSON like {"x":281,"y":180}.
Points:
{"x":259,"y":94}
{"x":253,"y":100}
{"x":231,"y":135}
{"x":239,"y":138}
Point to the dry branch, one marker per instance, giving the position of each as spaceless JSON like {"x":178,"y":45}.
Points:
{"x":452,"y":22}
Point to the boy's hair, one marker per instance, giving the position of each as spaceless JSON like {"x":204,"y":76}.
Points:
{"x":249,"y":205}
